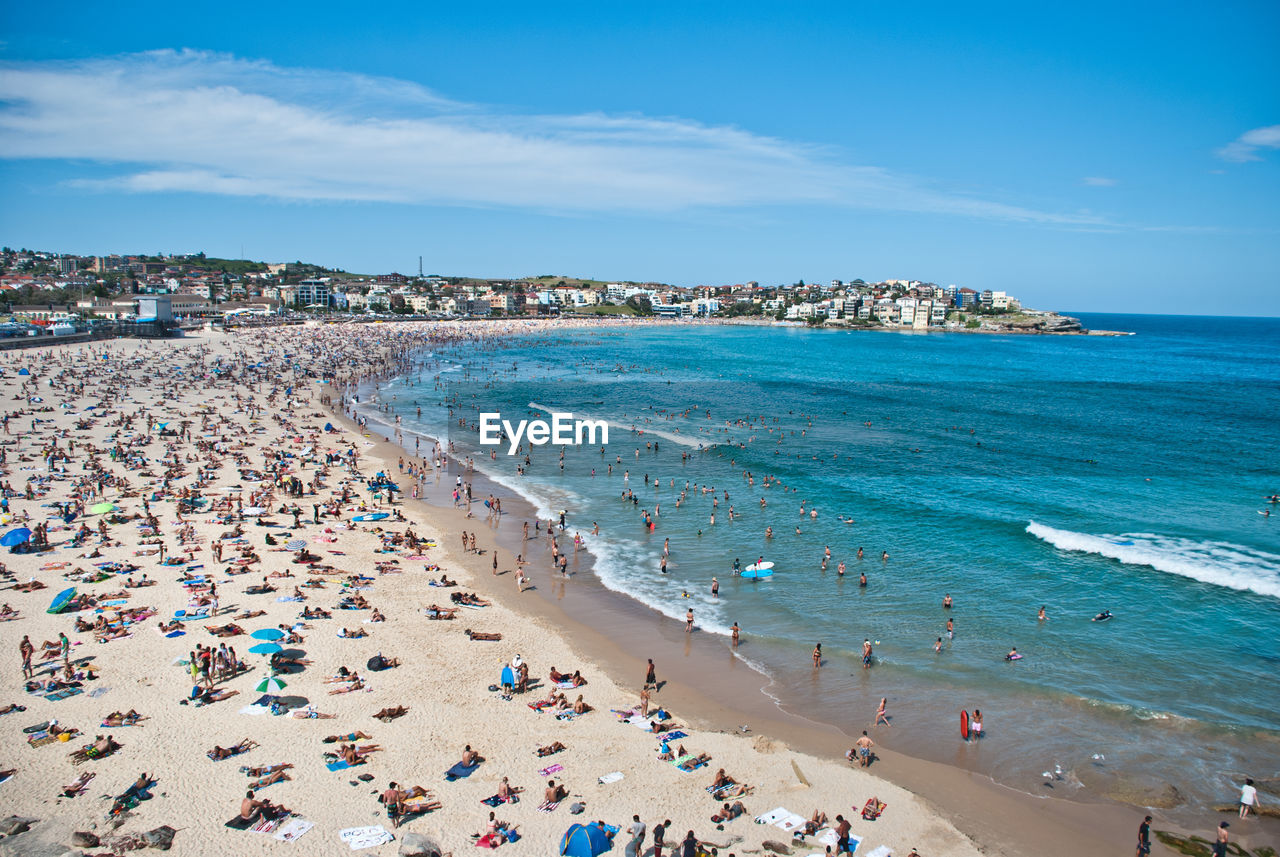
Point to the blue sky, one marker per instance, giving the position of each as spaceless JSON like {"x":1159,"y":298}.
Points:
{"x":1118,"y":157}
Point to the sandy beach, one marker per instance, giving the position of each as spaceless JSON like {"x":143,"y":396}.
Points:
{"x":220,"y":438}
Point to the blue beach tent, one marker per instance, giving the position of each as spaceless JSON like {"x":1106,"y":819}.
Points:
{"x":584,"y":841}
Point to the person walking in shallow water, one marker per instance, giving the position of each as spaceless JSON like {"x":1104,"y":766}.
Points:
{"x":817,"y":655}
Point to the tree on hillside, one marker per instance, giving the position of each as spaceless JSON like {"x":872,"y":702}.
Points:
{"x":641,"y":304}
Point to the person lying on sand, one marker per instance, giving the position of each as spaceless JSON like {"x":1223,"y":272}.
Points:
{"x":486,"y":637}
{"x":349,"y":634}
{"x":437,"y":612}
{"x":208,"y":695}
{"x":386,"y":715}
{"x":12,"y":707}
{"x":175,"y":625}
{"x":551,"y":749}
{"x":249,"y":614}
{"x":269,"y":779}
{"x":265,"y":770}
{"x":219,"y":753}
{"x":315,"y":613}
{"x":468,"y":598}
{"x":357,"y":684}
{"x":726,"y":786}
{"x":127,"y":718}
{"x":75,"y":787}
{"x":280,"y":659}
{"x":668,"y":756}
{"x":695,"y":763}
{"x":350,"y":736}
{"x":229,"y":630}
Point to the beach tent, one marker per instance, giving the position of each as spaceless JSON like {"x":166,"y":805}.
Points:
{"x":102,"y":508}
{"x":584,"y":841}
{"x":15,"y":537}
{"x":24,"y":371}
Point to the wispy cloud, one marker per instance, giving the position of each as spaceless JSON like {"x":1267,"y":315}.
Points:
{"x":189,"y":121}
{"x":1099,"y":181}
{"x":1246,"y":146}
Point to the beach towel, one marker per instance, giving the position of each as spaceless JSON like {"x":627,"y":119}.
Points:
{"x":828,"y":836}
{"x":339,"y":765}
{"x":459,"y":771}
{"x":549,"y":806}
{"x":62,"y":694}
{"x":674,"y":736}
{"x":550,"y":769}
{"x":417,"y":804}
{"x":773,"y":815}
{"x":494,"y":800}
{"x":359,"y":838}
{"x":294,"y":829}
{"x":239,"y":823}
{"x":790,"y":823}
{"x":610,"y":778}
{"x":881,"y":851}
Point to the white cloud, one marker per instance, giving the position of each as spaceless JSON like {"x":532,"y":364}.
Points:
{"x":1099,"y":181}
{"x":188,"y":121}
{"x":1246,"y":146}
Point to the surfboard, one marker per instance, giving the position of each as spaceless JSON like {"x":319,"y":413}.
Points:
{"x":757,"y":566}
{"x":755,"y":573}
{"x":372,"y":516}
{"x":964,"y":724}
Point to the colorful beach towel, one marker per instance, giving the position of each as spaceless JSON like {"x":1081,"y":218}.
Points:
{"x":551,"y":769}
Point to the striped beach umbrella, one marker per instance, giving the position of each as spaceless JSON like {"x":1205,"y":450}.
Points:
{"x":271,"y":684}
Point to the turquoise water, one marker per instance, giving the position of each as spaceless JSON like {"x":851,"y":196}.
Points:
{"x":1078,"y":473}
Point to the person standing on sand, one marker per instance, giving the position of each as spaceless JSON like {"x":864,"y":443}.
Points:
{"x":734,"y":634}
{"x":1220,"y":845}
{"x":651,"y":680}
{"x":864,"y":749}
{"x":635,"y":847}
{"x":659,"y":834}
{"x":1144,"y":838}
{"x":842,"y":834}
{"x":26,"y":649}
{"x":688,"y":621}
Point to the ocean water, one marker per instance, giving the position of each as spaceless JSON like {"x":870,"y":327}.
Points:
{"x":1079,"y":473}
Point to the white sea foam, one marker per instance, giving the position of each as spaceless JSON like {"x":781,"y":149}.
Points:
{"x":1218,"y":563}
{"x":691,"y":442}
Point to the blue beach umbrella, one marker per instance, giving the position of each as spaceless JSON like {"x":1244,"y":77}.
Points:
{"x":268,"y":634}
{"x":15,"y":537}
{"x":266,"y":648}
{"x":61,"y":600}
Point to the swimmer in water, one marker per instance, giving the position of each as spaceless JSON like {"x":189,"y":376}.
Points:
{"x":1041,"y":616}
{"x":946,"y":602}
{"x":1013,"y":654}
{"x":1103,"y":616}
{"x":862,"y":579}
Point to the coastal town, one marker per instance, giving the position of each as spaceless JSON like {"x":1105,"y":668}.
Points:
{"x":72,"y":292}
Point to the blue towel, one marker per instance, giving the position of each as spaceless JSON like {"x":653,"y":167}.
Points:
{"x":338,"y":765}
{"x":459,"y":771}
{"x":674,"y":736}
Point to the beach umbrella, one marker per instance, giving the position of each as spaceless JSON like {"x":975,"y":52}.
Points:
{"x":24,"y":371}
{"x":268,"y":634}
{"x":101,"y":508}
{"x":61,"y":600}
{"x":266,"y":648}
{"x":15,"y":537}
{"x":296,"y":544}
{"x":271,"y":684}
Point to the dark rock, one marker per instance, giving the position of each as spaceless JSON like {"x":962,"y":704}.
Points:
{"x":85,"y":839}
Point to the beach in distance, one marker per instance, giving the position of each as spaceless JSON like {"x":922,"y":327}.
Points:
{"x":277,"y":597}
